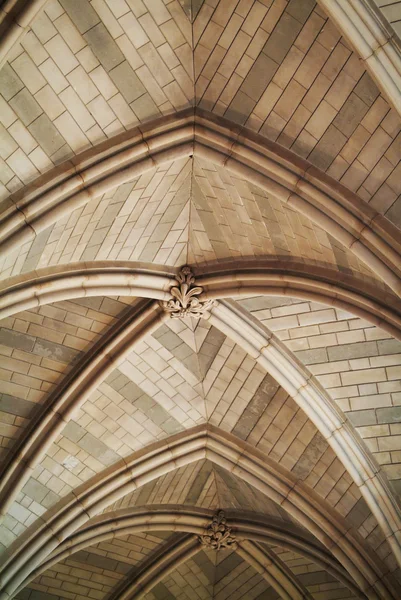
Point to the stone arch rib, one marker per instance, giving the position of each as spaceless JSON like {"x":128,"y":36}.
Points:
{"x":294,"y":181}
{"x":224,"y":449}
{"x":252,"y":527}
{"x":275,"y":277}
{"x":72,"y":393}
{"x":157,"y":568}
{"x":262,"y":346}
{"x":266,"y":349}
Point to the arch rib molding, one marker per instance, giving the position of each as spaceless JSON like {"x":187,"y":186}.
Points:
{"x":186,"y":519}
{"x":224,"y":449}
{"x":294,"y":181}
{"x":262,"y":346}
{"x":277,"y":278}
{"x":266,"y":349}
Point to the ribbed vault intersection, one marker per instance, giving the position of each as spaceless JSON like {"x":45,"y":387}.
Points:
{"x":257,"y":143}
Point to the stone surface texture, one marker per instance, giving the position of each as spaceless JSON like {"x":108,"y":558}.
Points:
{"x":282,"y":405}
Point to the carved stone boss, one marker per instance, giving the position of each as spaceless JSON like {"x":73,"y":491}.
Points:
{"x":218,"y":534}
{"x":185,"y":302}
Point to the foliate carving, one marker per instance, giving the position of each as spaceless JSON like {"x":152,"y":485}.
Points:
{"x":185,"y":302}
{"x":218,"y":534}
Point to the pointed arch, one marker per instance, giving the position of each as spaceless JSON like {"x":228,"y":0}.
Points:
{"x":288,"y":372}
{"x":250,"y":526}
{"x":223,"y":449}
{"x":290,"y":179}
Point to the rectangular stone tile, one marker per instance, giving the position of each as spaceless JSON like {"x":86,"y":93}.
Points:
{"x":127,"y":82}
{"x":16,"y":406}
{"x":327,"y":148}
{"x":104,"y":47}
{"x":7,"y":144}
{"x":70,"y":33}
{"x":73,"y":432}
{"x":61,"y":54}
{"x":14,"y":339}
{"x":351,"y":115}
{"x":362,"y":417}
{"x":389,"y":415}
{"x":81,"y":13}
{"x":282,"y":37}
{"x":349,"y":351}
{"x":389,"y":346}
{"x":144,"y":108}
{"x":46,"y":134}
{"x":366,"y":89}
{"x":54,"y":351}
{"x":10,"y":83}
{"x":71,"y":132}
{"x":259,"y":77}
{"x":133,"y":30}
{"x":43,"y":27}
{"x":26,"y":107}
{"x":53,"y":75}
{"x":240,"y":108}
{"x":35,"y":490}
{"x":300,"y":10}
{"x":28,"y":73}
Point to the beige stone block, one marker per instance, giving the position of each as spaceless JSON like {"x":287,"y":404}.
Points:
{"x":364,"y":376}
{"x":71,"y":132}
{"x":101,"y":111}
{"x":53,"y":75}
{"x":22,"y":137}
{"x":22,"y":166}
{"x":28,"y":72}
{"x":108,"y":18}
{"x":43,"y":27}
{"x":393,"y":372}
{"x":392,"y":442}
{"x":77,"y":108}
{"x":254,"y":18}
{"x":34,"y":48}
{"x":320,"y":119}
{"x":8,"y":145}
{"x":133,"y":30}
{"x":83,"y":85}
{"x":49,"y":102}
{"x":374,"y":431}
{"x":87,"y":59}
{"x":61,"y":54}
{"x":123,"y":111}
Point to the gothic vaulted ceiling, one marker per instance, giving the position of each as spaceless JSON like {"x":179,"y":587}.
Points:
{"x":200,"y":281}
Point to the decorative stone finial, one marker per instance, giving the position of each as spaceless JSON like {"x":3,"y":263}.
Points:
{"x":184,"y":302}
{"x":218,"y":534}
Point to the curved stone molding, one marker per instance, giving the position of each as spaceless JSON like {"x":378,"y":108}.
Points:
{"x":224,"y":449}
{"x":15,"y":18}
{"x":99,"y":362}
{"x":156,"y":568}
{"x":353,"y":222}
{"x":280,"y":362}
{"x":252,"y":337}
{"x":273,"y":570}
{"x":278,"y":278}
{"x":256,"y":527}
{"x":79,"y":281}
{"x":362,"y":25}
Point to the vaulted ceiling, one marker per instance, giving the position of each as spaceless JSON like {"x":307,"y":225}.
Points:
{"x":259,"y":143}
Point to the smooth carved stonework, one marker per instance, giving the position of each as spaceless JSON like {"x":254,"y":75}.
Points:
{"x":184,"y":302}
{"x":218,"y":534}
